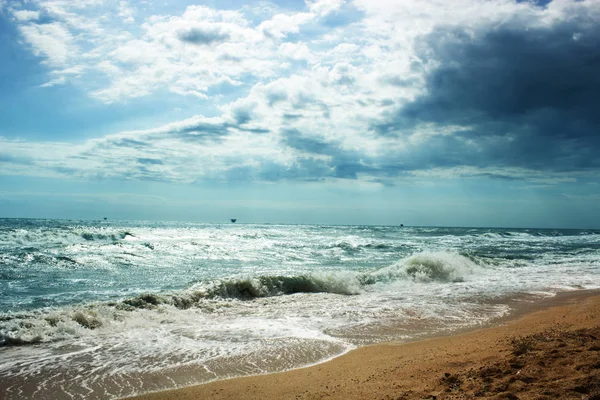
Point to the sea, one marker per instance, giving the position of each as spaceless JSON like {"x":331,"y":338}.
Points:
{"x":109,"y":309}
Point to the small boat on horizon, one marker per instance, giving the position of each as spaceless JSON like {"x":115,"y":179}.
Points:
{"x":233,"y":220}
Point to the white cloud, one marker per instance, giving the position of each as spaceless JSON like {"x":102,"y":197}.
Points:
{"x":324,"y":7}
{"x":353,"y":77}
{"x":53,"y":41}
{"x":282,"y":24}
{"x":186,"y":54}
{"x":26,"y":15}
{"x":136,"y":52}
{"x":75,"y":70}
{"x":58,"y":81}
{"x":296,"y":51}
{"x":126,"y":12}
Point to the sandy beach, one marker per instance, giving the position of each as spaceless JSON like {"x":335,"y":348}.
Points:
{"x":549,"y":349}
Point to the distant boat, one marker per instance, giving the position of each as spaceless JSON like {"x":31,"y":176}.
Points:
{"x":105,"y":218}
{"x":401,"y":224}
{"x":233,"y":220}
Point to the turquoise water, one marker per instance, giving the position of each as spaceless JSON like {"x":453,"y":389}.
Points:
{"x":107,"y":306}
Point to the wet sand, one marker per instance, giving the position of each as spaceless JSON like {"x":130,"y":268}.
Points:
{"x":549,"y":349}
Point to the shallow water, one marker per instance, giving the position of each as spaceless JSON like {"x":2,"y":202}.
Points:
{"x":109,"y":309}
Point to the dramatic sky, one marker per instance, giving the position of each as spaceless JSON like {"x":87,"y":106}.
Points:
{"x":422,"y":112}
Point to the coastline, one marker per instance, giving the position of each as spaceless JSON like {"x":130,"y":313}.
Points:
{"x":446,"y":366}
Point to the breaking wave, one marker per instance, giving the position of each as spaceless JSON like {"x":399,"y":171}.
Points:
{"x":351,"y":247}
{"x":268,"y":286}
{"x":427,"y":267}
{"x":536,"y":233}
{"x":44,"y":237}
{"x":421,"y":267}
{"x":442,"y":267}
{"x":60,"y":323}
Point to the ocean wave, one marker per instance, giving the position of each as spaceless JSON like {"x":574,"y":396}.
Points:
{"x":268,"y":286}
{"x":113,"y":236}
{"x":441,"y":267}
{"x":358,"y":247}
{"x":68,"y":322}
{"x":41,"y":237}
{"x":427,"y":267}
{"x":532,"y":234}
{"x":504,"y":235}
{"x":60,"y":323}
{"x":349,"y":247}
{"x":248,"y":288}
{"x":49,"y":325}
{"x":421,"y":267}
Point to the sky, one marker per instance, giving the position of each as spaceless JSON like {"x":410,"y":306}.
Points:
{"x":420,"y":112}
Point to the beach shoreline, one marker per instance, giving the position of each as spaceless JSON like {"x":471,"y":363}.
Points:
{"x":443,"y":366}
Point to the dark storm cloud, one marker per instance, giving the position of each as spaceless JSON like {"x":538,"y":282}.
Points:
{"x":201,"y":36}
{"x":341,"y":164}
{"x":295,"y":139}
{"x":349,"y":164}
{"x":529,"y":94}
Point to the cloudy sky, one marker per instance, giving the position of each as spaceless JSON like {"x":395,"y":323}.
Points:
{"x":422,"y":112}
